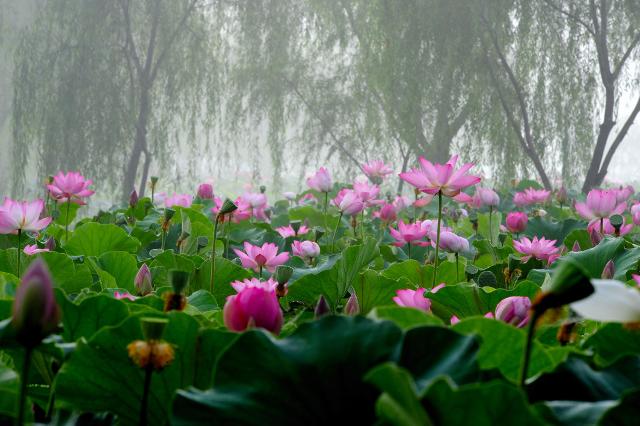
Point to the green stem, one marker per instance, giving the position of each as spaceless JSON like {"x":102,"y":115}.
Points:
{"x":145,"y":395}
{"x":24,"y":381}
{"x":457,"y":269}
{"x":409,"y":250}
{"x":527,"y":348}
{"x":213,"y":254}
{"x":362,"y":225}
{"x":19,"y":250}
{"x":163,"y":239}
{"x":435,"y":271}
{"x":66,"y":222}
{"x":333,"y":239}
{"x":490,"y":225}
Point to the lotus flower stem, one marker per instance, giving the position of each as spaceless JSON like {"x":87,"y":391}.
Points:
{"x":435,"y":271}
{"x":490,"y":225}
{"x":457,"y":268}
{"x":527,"y":347}
{"x":66,"y":222}
{"x":22,"y":398}
{"x":409,"y":250}
{"x":19,"y":249}
{"x":362,"y":225}
{"x":145,"y":395}
{"x":326,"y":203}
{"x":333,"y":239}
{"x":213,"y":254}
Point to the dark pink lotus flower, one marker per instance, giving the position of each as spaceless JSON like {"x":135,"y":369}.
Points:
{"x":433,"y":178}
{"x":71,"y":186}
{"x":531,"y":196}
{"x":22,"y":216}
{"x":320,"y":181}
{"x":288,"y":231}
{"x":32,"y":249}
{"x":205,"y":191}
{"x":413,"y":299}
{"x":600,"y":203}
{"x":180,"y":200}
{"x":514,"y":310}
{"x":253,"y":307}
{"x":541,"y":249}
{"x":256,"y":258}
{"x":607,"y":227}
{"x":517,"y":222}
{"x":387,"y":213}
{"x":348,"y":202}
{"x":269,"y":285}
{"x":306,"y":250}
{"x":408,"y":233}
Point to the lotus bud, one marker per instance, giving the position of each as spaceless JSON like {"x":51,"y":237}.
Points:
{"x":205,"y":191}
{"x":561,"y":195}
{"x":133,"y":199}
{"x":253,"y":307}
{"x":322,"y":308}
{"x":609,"y":270}
{"x":263,"y":189}
{"x":50,"y":244}
{"x":352,"y":307}
{"x":616,"y":221}
{"x":595,"y":237}
{"x":576,"y":246}
{"x":35,"y":311}
{"x":143,"y":281}
{"x":227,"y":207}
{"x":514,"y":310}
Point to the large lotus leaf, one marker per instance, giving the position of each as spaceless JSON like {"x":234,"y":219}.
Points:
{"x":626,"y":264}
{"x":226,"y":272}
{"x":612,"y":342}
{"x":99,"y":376}
{"x":483,"y":225}
{"x":579,"y":235}
{"x":410,"y":270}
{"x":594,"y":259}
{"x":502,"y":348}
{"x":122,"y":266}
{"x":312,"y":377}
{"x":90,"y":315}
{"x":625,"y":413}
{"x":539,"y":227}
{"x":8,"y":391}
{"x":373,"y":290}
{"x":95,"y":239}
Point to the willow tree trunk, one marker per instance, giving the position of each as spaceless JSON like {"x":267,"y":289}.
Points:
{"x":140,"y":143}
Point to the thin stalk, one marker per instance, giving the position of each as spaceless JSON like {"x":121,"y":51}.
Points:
{"x":260,"y":271}
{"x":213,"y":254}
{"x":164,"y":234}
{"x":19,"y":250}
{"x":24,"y":381}
{"x":601,"y":226}
{"x":145,"y":395}
{"x":333,"y":239}
{"x":527,"y":348}
{"x":457,"y":269}
{"x":66,"y":222}
{"x":490,"y":225}
{"x":409,"y":250}
{"x":362,"y":225}
{"x":435,"y":272}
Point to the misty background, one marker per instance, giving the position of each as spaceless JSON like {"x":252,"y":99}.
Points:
{"x":263,"y":92}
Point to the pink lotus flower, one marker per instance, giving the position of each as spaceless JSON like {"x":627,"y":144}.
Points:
{"x":408,"y":233}
{"x":541,"y":249}
{"x":71,"y":186}
{"x":253,"y":307}
{"x":514,"y":310}
{"x":376,"y":170}
{"x":623,"y":194}
{"x":367,"y":193}
{"x":320,"y":181}
{"x":431,"y":226}
{"x":482,"y":197}
{"x":268,"y":285}
{"x":348,"y":202}
{"x":434,"y":178}
{"x":451,"y":242}
{"x":30,"y":250}
{"x":306,"y":250}
{"x":123,"y":295}
{"x":413,"y":299}
{"x":531,"y":196}
{"x":607,"y":227}
{"x":205,"y":191}
{"x":143,"y":281}
{"x":517,"y":222}
{"x":288,"y":231}
{"x":601,"y":203}
{"x":22,"y":216}
{"x":387,"y":213}
{"x":243,"y":212}
{"x":635,"y":213}
{"x":180,"y":200}
{"x":256,"y":258}
{"x":258,"y":203}
{"x":401,"y":202}
{"x":291,"y":196}
{"x":308,"y":199}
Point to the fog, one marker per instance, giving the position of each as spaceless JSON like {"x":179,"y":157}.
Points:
{"x":244,"y":94}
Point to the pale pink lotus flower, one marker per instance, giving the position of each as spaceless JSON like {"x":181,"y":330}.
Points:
{"x":348,"y":202}
{"x":464,"y":198}
{"x":243,"y":212}
{"x":320,"y":181}
{"x":268,"y":285}
{"x":517,"y":222}
{"x":607,"y":227}
{"x":431,"y":226}
{"x":401,"y":202}
{"x":291,"y":196}
{"x":434,"y":178}
{"x":258,"y":203}
{"x":376,"y":170}
{"x":306,"y":250}
{"x":424,"y":200}
{"x":451,"y":242}
{"x":454,"y":319}
{"x":288,"y":231}
{"x":178,"y":200}
{"x":32,"y":249}
{"x":623,"y":193}
{"x":387,"y":213}
{"x":531,"y":196}
{"x":367,"y":193}
{"x":413,"y":299}
{"x":205,"y":191}
{"x":600,"y":203}
{"x":635,"y":213}
{"x":70,"y":186}
{"x":485,"y":197}
{"x":22,"y":216}
{"x":514,"y":310}
{"x":308,"y":199}
{"x":541,"y":249}
{"x":254,"y":257}
{"x":120,"y":295}
{"x":408,"y":233}
{"x":253,"y":307}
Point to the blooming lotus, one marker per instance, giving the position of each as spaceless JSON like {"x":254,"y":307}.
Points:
{"x":408,"y":233}
{"x":623,"y":194}
{"x":430,"y":227}
{"x":269,"y":285}
{"x":600,"y":204}
{"x":256,"y":258}
{"x":517,"y":222}
{"x":367,"y":193}
{"x":23,"y":216}
{"x":531,"y":196}
{"x":401,"y":202}
{"x":205,"y":191}
{"x":288,"y":231}
{"x":635,"y":213}
{"x":387,"y":213}
{"x":541,"y":249}
{"x":30,"y":250}
{"x":444,"y":178}
{"x":376,"y":170}
{"x":348,"y":202}
{"x":70,"y":186}
{"x":253,"y":307}
{"x":611,"y":301}
{"x":320,"y":181}
{"x":452,"y":243}
{"x":514,"y":310}
{"x":608,"y":228}
{"x":181,"y":200}
{"x":306,"y":250}
{"x":413,"y":299}
{"x":484,"y":197}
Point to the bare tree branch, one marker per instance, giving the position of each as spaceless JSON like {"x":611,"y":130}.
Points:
{"x":627,"y":53}
{"x":132,"y":46}
{"x":570,"y":15}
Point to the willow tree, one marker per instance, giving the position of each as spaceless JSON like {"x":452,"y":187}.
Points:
{"x":100,"y":83}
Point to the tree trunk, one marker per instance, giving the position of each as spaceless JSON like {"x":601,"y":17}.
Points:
{"x":140,"y":144}
{"x":145,"y":173}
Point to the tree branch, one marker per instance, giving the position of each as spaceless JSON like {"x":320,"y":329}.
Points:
{"x":618,"y":139}
{"x":570,"y":15}
{"x":124,"y":4}
{"x":627,"y":53}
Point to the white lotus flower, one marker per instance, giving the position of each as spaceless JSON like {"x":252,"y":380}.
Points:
{"x":612,"y":301}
